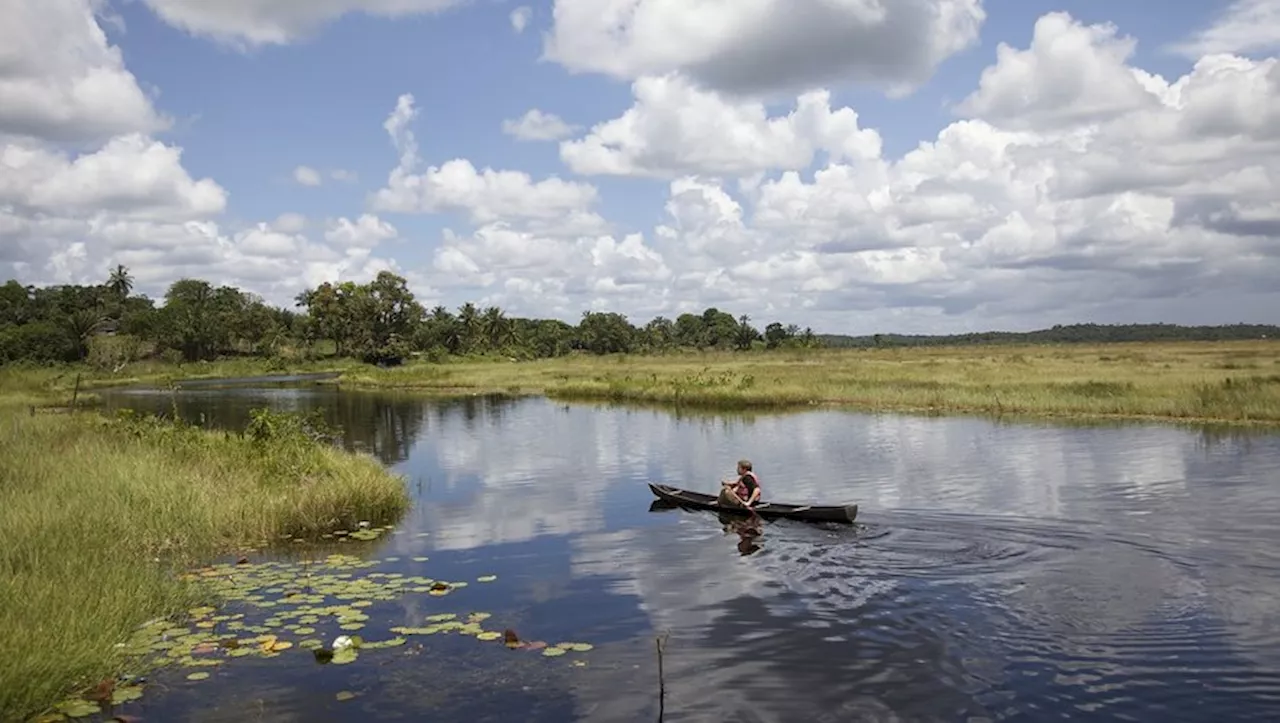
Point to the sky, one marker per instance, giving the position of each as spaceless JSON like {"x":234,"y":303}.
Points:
{"x":856,"y":166}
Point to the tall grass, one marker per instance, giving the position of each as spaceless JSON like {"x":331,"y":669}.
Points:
{"x":97,"y":514}
{"x":1235,"y":382}
{"x":1232,"y":382}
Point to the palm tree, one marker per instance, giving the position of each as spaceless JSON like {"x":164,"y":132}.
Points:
{"x":494,"y":327}
{"x":469,"y":320}
{"x":81,"y":325}
{"x":120,"y":282}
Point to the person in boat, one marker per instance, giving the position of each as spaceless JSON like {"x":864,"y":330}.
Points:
{"x":741,"y":492}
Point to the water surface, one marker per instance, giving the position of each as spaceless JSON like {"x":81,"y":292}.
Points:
{"x":997,"y":571}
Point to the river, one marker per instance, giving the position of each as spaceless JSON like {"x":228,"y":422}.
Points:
{"x":998,"y":571}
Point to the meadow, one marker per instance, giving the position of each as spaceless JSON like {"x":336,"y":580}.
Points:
{"x":1235,"y":382}
{"x":98,"y":516}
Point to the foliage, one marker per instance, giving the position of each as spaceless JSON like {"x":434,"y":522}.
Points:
{"x":1063,"y":334}
{"x":381,"y":323}
{"x":96,"y":513}
{"x":378,"y":323}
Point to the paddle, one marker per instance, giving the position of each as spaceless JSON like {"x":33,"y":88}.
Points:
{"x":749,"y":508}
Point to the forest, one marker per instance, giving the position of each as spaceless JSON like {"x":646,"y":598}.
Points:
{"x":381,"y":322}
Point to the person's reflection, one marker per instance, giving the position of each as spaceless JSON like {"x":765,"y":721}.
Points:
{"x":748,"y":530}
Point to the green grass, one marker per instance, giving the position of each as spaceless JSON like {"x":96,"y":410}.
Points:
{"x":1236,"y":382}
{"x":97,"y":515}
{"x":1232,"y":382}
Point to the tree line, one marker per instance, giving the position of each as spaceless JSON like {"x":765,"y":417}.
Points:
{"x":1061,"y":334}
{"x":379,"y":322}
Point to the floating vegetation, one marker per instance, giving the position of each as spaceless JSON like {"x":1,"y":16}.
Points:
{"x":486,"y":578}
{"x":283,"y":606}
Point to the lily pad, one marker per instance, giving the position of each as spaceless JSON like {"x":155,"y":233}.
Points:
{"x":125,"y":693}
{"x":488,"y":635}
{"x":344,"y":695}
{"x":552,"y":651}
{"x":486,"y":578}
{"x":420,"y":558}
{"x":77,"y":708}
{"x":197,"y":676}
{"x":351,"y":626}
{"x":577,"y":647}
{"x":441,"y":617}
{"x":344,"y":656}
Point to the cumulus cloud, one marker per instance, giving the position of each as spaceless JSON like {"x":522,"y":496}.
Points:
{"x":1072,"y":74}
{"x":674,"y":128}
{"x":536,"y":125}
{"x":486,"y":195}
{"x":365,"y":232}
{"x":520,"y":18}
{"x":307,"y":176}
{"x":1114,"y":194}
{"x":62,"y":80}
{"x":131,"y":175}
{"x":84,"y":185}
{"x":1109,"y":193}
{"x":249,"y":23}
{"x":1244,"y":26}
{"x":765,"y":46}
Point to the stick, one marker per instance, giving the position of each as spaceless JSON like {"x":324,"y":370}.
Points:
{"x":662,"y":681}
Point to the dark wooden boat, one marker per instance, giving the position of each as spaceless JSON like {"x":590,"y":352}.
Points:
{"x":768,"y":510}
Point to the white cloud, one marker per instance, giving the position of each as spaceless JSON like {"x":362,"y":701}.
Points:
{"x":486,"y":195}
{"x":520,"y":18}
{"x":290,"y":222}
{"x":249,"y":23}
{"x":67,"y":216}
{"x":1110,"y":194}
{"x":1244,"y":27}
{"x":60,"y":78}
{"x":131,"y":175}
{"x":676,"y":128}
{"x":365,"y":232}
{"x":764,"y":45}
{"x":307,"y":176}
{"x":535,"y":125}
{"x":1120,"y":197}
{"x":1071,"y":75}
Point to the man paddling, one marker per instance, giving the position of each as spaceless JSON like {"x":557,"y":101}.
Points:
{"x":743,"y":491}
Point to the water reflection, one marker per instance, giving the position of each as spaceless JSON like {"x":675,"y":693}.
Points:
{"x":1007,"y":571}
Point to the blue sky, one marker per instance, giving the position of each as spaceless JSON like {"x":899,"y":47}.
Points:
{"x":246,"y":115}
{"x":469,"y":72}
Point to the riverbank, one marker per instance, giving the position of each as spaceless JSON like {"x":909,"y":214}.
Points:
{"x":1225,"y":382}
{"x":1234,"y":382}
{"x":98,"y":515}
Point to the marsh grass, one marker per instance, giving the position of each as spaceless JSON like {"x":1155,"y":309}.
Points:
{"x":1236,"y":382}
{"x":1233,"y":382}
{"x":97,"y":514}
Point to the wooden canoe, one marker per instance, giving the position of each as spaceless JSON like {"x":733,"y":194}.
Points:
{"x":768,"y":510}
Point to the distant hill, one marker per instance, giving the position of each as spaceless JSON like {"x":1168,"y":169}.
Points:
{"x":1073,"y":333}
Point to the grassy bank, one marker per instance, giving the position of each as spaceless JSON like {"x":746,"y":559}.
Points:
{"x":1231,"y":382}
{"x":97,"y":514}
{"x":1236,"y":382}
